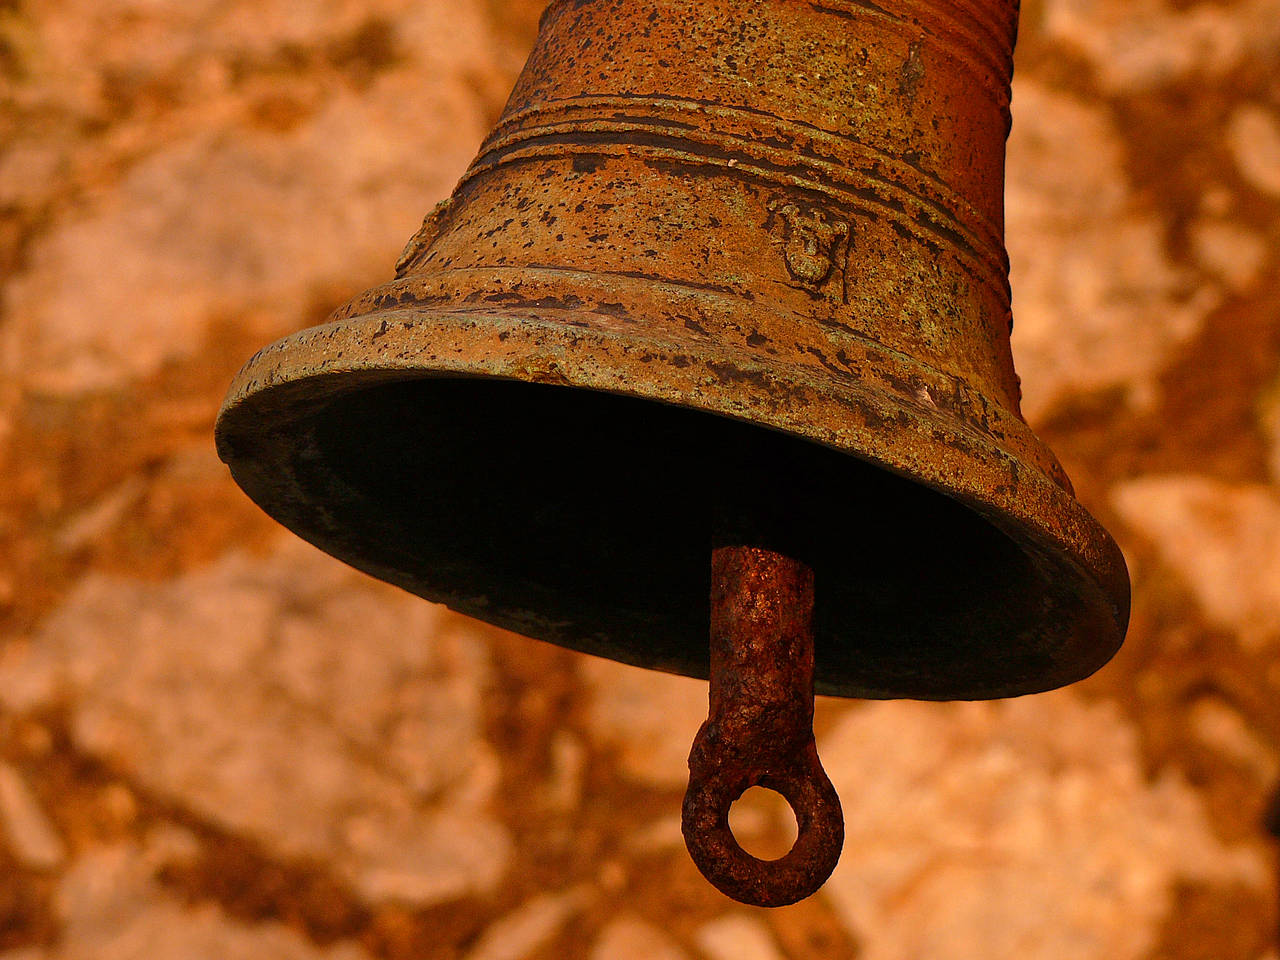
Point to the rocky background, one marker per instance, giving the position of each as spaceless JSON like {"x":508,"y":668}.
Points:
{"x":217,"y":743}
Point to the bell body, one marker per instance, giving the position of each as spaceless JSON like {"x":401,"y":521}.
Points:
{"x":716,"y":259}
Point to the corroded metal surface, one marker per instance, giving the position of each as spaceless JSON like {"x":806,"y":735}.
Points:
{"x":760,"y":730}
{"x":786,"y":214}
{"x":783,"y":223}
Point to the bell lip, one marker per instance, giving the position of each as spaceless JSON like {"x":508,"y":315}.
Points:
{"x":945,"y":454}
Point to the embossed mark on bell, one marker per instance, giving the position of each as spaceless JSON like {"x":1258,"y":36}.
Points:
{"x":812,"y":242}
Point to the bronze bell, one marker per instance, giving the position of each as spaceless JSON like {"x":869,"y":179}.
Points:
{"x":725,"y":276}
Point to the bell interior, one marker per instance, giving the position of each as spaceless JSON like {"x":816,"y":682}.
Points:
{"x":587,"y":519}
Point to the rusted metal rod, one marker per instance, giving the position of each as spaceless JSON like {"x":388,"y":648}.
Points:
{"x":759,"y":731}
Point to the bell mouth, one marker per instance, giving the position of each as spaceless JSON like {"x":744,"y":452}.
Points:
{"x":586,"y":518}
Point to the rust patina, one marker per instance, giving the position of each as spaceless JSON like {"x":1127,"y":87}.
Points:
{"x":715,"y":254}
{"x":760,"y":730}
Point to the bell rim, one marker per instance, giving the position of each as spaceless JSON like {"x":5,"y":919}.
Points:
{"x":1012,"y":494}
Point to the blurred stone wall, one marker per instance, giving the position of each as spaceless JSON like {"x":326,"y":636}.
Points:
{"x":217,"y":743}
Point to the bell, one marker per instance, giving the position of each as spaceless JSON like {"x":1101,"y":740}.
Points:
{"x":724,"y":277}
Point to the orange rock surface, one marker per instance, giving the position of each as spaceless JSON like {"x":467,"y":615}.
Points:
{"x":216,"y":742}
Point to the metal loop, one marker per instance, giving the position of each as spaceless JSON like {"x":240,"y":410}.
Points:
{"x":738,"y":874}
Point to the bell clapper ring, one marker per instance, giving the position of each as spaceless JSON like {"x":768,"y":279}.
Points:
{"x":759,"y":730}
